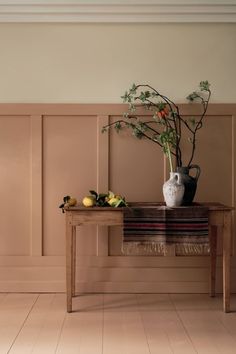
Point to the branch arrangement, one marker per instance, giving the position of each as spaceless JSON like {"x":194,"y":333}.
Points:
{"x":166,"y":123}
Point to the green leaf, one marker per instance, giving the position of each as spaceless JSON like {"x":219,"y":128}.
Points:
{"x":141,"y":126}
{"x":144,"y":95}
{"x":94,"y":193}
{"x":125,"y":97}
{"x":133,"y":89}
{"x":137,"y":133}
{"x":204,"y":86}
{"x":132,"y":107}
{"x":66,"y":198}
{"x":118,"y":126}
{"x":102,"y":199}
{"x":154,"y":95}
{"x":104,"y":129}
{"x":192,"y":96}
{"x":102,"y":195}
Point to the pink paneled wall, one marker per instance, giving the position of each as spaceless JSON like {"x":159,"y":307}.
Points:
{"x":50,"y":150}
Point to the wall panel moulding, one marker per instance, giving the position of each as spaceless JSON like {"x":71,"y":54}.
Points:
{"x":129,"y":11}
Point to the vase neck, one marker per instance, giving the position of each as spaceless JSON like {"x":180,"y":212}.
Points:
{"x":177,"y":176}
{"x":183,"y":169}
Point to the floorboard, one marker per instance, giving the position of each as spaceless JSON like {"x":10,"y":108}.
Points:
{"x":116,"y":324}
{"x":123,"y":327}
{"x":165,"y":331}
{"x":14,"y":310}
{"x":33,"y":326}
{"x":82,"y":330}
{"x":202,"y":322}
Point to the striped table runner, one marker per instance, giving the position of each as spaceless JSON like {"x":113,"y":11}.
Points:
{"x":148,"y":229}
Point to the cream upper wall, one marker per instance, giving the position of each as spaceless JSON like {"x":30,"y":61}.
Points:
{"x":92,"y":63}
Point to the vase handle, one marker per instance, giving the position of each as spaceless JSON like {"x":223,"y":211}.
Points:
{"x":198,"y":171}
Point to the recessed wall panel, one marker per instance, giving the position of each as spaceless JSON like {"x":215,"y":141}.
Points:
{"x":136,"y":167}
{"x":214,"y":155}
{"x":15,"y":184}
{"x":69,"y":168}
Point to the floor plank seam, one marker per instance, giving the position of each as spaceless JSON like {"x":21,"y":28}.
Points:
{"x":117,"y":323}
{"x":23,"y":323}
{"x":182,"y":323}
{"x":144,"y":328}
{"x":103,"y":322}
{"x":219,"y":318}
{"x":60,"y":333}
{"x":42,"y":325}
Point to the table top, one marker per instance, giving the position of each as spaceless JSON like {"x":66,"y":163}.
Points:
{"x":212,"y":206}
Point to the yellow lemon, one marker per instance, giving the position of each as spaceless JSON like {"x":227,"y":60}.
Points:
{"x":113,"y":201}
{"x":118,"y":196}
{"x":72,"y":202}
{"x":89,"y":201}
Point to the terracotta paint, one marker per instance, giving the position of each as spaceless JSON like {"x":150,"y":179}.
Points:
{"x":50,"y":150}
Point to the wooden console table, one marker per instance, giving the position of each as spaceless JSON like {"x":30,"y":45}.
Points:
{"x":220,"y":218}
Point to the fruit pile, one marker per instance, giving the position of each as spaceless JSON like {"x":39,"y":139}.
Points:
{"x":96,"y":199}
{"x":104,"y":200}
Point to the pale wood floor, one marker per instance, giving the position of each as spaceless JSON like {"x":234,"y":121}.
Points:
{"x":116,"y":324}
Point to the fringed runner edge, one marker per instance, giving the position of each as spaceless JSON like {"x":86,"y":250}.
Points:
{"x":150,"y":230}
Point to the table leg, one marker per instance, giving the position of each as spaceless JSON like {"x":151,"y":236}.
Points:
{"x":73,"y":259}
{"x":226,"y":260}
{"x":213,"y":251}
{"x":69,"y":263}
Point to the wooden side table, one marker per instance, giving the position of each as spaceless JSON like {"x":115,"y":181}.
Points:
{"x":220,"y":218}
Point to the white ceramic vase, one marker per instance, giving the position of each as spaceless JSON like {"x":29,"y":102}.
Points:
{"x":173,"y":190}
